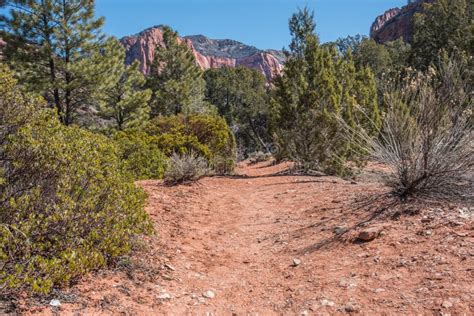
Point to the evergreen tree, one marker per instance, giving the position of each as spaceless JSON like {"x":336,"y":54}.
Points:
{"x":446,"y":25}
{"x":240,"y":95}
{"x":123,"y":99}
{"x":301,"y":26}
{"x":316,"y":88}
{"x":57,"y":49}
{"x":176,"y":79}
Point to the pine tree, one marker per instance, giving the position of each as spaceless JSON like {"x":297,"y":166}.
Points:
{"x":317,"y":87}
{"x":446,"y":25}
{"x":123,"y":98}
{"x":58,"y":50}
{"x":176,"y":79}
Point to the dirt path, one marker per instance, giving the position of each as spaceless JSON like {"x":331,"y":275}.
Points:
{"x":228,"y":246}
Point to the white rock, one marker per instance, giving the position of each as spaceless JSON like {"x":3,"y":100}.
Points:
{"x":326,"y":302}
{"x":209,"y":294}
{"x":296,"y":262}
{"x":447,"y":304}
{"x":165,"y":296}
{"x":55,"y":303}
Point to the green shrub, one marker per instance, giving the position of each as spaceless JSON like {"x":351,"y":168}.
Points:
{"x":184,"y":168}
{"x":66,"y":207}
{"x":206,"y":135}
{"x":140,"y":154}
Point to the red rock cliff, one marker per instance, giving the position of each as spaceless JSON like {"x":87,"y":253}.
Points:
{"x":209,"y":53}
{"x":396,"y":23}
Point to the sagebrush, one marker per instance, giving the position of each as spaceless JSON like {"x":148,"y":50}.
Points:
{"x":185,"y":168}
{"x":427,"y":135}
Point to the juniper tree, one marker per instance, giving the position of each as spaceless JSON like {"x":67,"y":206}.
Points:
{"x":241,"y":97}
{"x":175,"y":78}
{"x":123,"y":99}
{"x":316,"y":88}
{"x":446,"y":25}
{"x":57,"y":49}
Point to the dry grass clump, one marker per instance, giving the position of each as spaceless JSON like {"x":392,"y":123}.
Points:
{"x":427,"y":136}
{"x":185,"y":168}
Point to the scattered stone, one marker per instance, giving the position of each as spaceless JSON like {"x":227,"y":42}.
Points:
{"x":55,"y":303}
{"x":164,"y":296}
{"x":351,"y":308}
{"x":304,"y":313}
{"x":369,"y":234}
{"x":296,"y":262}
{"x":345,"y":283}
{"x":326,"y":302}
{"x":340,"y":230}
{"x":170,"y":267}
{"x":379,"y":290}
{"x":447,"y":304}
{"x":209,"y":294}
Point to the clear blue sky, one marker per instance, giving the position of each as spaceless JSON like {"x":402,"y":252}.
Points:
{"x":261,"y":23}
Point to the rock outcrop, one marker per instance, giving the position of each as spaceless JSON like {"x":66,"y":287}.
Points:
{"x":396,"y":23}
{"x":209,"y":53}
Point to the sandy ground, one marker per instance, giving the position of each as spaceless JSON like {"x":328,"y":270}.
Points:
{"x":260,"y":244}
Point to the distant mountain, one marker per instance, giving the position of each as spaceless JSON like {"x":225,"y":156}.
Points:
{"x":396,"y":23}
{"x":209,"y":53}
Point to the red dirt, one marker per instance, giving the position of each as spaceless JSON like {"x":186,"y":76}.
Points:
{"x":238,"y":237}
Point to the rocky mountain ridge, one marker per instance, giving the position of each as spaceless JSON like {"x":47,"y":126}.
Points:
{"x":396,"y":23}
{"x":209,"y":53}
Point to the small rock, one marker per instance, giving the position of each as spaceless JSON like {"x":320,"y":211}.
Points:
{"x":369,"y":234}
{"x":326,"y":302}
{"x":304,"y":313}
{"x":55,"y":303}
{"x":379,"y":290}
{"x":447,"y":304}
{"x":296,"y":262}
{"x":340,"y":230}
{"x":170,"y":267}
{"x":351,"y":308}
{"x":164,"y":296}
{"x":209,"y":294}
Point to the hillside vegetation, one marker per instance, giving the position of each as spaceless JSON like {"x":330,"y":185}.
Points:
{"x":79,"y":127}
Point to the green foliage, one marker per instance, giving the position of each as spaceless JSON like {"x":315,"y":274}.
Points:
{"x":349,"y":43}
{"x":383,"y":59}
{"x":58,"y":51}
{"x":140,"y":154}
{"x":176,"y":79}
{"x":124,"y":100}
{"x":241,"y":97}
{"x":205,"y":135}
{"x":446,"y":25}
{"x":316,"y":87}
{"x":66,"y":208}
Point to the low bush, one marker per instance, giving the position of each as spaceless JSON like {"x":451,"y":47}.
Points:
{"x":184,"y":168}
{"x":66,"y":207}
{"x":427,"y":136}
{"x":205,"y":135}
{"x":140,"y":154}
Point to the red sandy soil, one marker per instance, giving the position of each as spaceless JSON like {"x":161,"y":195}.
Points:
{"x":238,"y":237}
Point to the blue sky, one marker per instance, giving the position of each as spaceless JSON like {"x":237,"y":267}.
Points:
{"x":261,"y":23}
